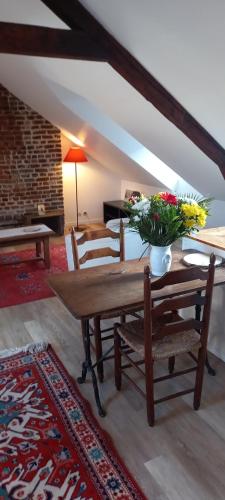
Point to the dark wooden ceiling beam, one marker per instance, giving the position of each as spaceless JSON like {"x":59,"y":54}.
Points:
{"x":74,"y":14}
{"x":48,"y":42}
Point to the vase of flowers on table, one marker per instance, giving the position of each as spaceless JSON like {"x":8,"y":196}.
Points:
{"x":163,"y":218}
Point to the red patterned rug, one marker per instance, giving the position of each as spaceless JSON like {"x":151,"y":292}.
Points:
{"x":51,"y":446}
{"x":27,"y":281}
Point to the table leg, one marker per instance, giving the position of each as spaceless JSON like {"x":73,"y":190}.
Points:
{"x":87,"y":365}
{"x":210,"y":369}
{"x":46,"y":252}
{"x":38,"y":248}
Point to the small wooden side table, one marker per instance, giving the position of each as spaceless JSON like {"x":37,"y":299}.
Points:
{"x":33,"y":234}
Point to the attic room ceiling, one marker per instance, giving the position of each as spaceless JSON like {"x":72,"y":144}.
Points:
{"x":121,"y":60}
{"x":89,"y":40}
{"x":181,"y":43}
{"x":153,"y":41}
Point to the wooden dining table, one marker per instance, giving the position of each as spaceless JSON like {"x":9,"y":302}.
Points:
{"x":213,"y":237}
{"x":100,"y":290}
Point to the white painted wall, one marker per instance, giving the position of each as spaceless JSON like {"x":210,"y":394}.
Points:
{"x":95,"y":185}
{"x":136,"y":186}
{"x":217,"y":214}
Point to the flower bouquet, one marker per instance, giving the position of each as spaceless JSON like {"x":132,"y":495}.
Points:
{"x":163,"y":218}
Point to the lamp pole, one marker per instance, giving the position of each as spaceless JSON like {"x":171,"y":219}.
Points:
{"x":77,"y":227}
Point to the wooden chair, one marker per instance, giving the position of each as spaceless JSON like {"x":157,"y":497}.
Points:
{"x":164,"y":334}
{"x":98,"y":253}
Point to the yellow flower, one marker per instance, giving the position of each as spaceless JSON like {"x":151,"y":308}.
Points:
{"x":190,"y":210}
{"x":190,"y":222}
{"x":196,"y":215}
{"x":202,"y":219}
{"x":156,"y":197}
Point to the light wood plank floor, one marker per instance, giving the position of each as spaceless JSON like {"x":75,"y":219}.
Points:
{"x":183,"y":456}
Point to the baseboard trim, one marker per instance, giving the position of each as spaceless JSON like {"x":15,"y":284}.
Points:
{"x":216,"y":353}
{"x":83,"y":222}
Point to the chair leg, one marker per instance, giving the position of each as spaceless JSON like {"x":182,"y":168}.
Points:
{"x":83,"y":334}
{"x":150,"y":394}
{"x":123,"y":318}
{"x":199,"y":378}
{"x":98,"y":348}
{"x":117,"y":359}
{"x":171,"y":364}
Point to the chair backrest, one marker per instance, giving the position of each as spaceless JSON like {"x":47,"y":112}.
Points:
{"x":97,"y":253}
{"x":158,"y":317}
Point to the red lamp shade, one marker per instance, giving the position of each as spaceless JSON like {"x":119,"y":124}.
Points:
{"x":75,"y":155}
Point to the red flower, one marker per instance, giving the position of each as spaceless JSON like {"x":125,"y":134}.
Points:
{"x":155,"y":216}
{"x":169,"y":198}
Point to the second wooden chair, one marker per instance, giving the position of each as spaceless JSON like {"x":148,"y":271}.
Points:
{"x":99,"y":253}
{"x":164,"y":333}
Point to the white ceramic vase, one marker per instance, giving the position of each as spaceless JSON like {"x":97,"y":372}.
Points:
{"x":160,"y":260}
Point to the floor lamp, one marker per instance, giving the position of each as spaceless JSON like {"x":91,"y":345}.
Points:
{"x":75,"y":155}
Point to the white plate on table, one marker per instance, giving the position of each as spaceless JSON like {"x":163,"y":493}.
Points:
{"x":200,"y":259}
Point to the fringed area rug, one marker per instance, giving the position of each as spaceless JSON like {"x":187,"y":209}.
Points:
{"x":25,"y":282}
{"x":51,"y":446}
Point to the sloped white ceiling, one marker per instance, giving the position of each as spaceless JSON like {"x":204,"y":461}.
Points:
{"x":29,"y":12}
{"x":181,"y":43}
{"x":23,"y":77}
{"x":164,"y":36}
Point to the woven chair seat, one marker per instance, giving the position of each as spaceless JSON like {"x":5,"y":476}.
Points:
{"x":166,"y":347}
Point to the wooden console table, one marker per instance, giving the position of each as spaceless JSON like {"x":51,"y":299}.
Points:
{"x":114,"y":210}
{"x":54,"y":219}
{"x":33,"y":234}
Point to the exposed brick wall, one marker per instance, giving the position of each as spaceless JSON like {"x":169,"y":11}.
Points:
{"x":30,"y":160}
